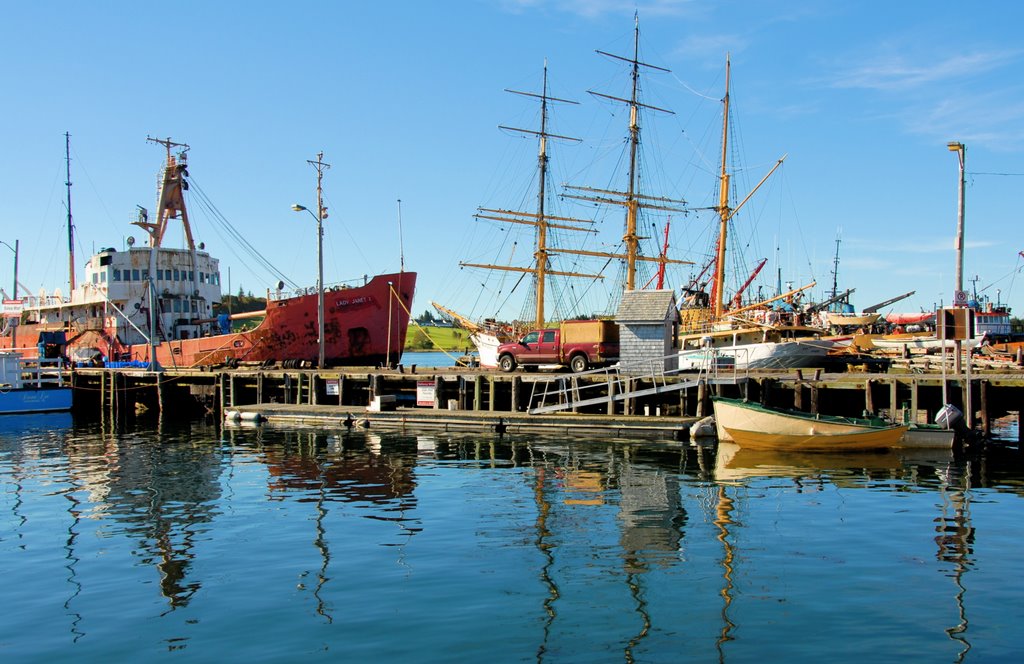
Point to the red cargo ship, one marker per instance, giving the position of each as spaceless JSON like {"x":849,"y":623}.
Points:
{"x":157,"y":302}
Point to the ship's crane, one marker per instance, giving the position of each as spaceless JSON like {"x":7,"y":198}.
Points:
{"x":835,"y":298}
{"x":875,"y":307}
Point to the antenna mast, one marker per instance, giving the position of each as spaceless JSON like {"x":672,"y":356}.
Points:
{"x":401,"y":244}
{"x":171,"y":201}
{"x":835,"y":268}
{"x":71,"y":225}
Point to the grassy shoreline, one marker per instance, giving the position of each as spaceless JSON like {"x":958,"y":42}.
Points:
{"x":431,"y":338}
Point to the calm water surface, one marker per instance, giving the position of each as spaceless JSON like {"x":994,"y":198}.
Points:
{"x":188,"y":542}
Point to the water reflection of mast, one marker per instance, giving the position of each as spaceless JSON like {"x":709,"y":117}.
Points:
{"x":546,"y":549}
{"x":74,"y":509}
{"x":723,"y":518}
{"x":955,"y":540}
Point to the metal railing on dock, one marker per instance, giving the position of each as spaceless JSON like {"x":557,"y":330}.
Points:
{"x":621,"y":383}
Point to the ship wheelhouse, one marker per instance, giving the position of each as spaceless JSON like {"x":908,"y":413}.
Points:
{"x":175,"y":289}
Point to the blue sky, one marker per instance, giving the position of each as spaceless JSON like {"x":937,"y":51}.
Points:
{"x":405,"y":99}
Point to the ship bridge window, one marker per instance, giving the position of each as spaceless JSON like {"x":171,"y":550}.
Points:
{"x":105,"y":260}
{"x":145,"y":275}
{"x":177,"y":306}
{"x":117,"y":275}
{"x":103,"y":277}
{"x":95,"y":278}
{"x":176,"y":275}
{"x":135,"y":275}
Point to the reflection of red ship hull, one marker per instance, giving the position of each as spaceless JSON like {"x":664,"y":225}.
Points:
{"x":363,"y":326}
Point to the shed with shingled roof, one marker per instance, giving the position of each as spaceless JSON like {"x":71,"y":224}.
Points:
{"x":648,"y":328}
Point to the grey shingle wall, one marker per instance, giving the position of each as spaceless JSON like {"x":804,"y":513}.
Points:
{"x":646,"y":324}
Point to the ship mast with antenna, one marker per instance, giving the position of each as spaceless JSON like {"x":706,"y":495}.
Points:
{"x":171,"y":203}
{"x":71,"y":225}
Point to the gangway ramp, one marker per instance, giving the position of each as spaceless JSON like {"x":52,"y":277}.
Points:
{"x":619,"y":386}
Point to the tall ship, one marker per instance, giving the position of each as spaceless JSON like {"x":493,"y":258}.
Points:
{"x":488,"y":334}
{"x":159,"y":304}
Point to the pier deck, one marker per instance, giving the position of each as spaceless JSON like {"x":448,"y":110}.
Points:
{"x":480,"y":399}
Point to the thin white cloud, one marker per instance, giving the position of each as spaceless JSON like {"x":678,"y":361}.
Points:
{"x":932,"y":245}
{"x":898,"y":72}
{"x":596,"y":8}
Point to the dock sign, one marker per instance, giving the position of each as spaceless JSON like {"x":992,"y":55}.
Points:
{"x":425,"y":393}
{"x":959,"y":298}
{"x":13,"y":308}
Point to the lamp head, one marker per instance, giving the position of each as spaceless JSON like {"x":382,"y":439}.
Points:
{"x":955,"y":146}
{"x":299,"y":208}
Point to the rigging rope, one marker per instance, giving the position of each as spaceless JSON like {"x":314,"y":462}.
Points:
{"x":236,"y":238}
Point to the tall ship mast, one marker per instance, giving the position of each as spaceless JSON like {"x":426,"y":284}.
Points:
{"x":540,"y":220}
{"x":752,"y":335}
{"x":631,"y":199}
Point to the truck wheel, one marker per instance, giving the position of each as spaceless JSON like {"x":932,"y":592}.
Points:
{"x":578,"y":363}
{"x":507,"y":363}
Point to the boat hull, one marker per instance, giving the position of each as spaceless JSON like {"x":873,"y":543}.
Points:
{"x":765,"y":355}
{"x":363,"y":326}
{"x":487,"y":348}
{"x":756,"y":427}
{"x":929,"y":342}
{"x":35,"y":401}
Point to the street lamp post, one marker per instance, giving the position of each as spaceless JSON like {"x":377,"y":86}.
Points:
{"x":14,"y":292}
{"x":319,"y":280}
{"x":960,"y":150}
{"x":321,"y":214}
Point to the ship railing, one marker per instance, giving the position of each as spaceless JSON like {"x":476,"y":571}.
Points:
{"x":286,"y":294}
{"x":41,"y":372}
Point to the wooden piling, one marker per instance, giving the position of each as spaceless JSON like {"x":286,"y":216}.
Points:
{"x":986,"y":423}
{"x":517,"y":383}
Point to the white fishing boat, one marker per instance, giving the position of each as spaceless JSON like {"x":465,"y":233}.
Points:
{"x":755,"y":348}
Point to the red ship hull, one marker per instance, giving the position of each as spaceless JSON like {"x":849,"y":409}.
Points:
{"x":363,"y":326}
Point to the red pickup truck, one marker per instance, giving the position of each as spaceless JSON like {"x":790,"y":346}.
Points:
{"x":578,"y":344}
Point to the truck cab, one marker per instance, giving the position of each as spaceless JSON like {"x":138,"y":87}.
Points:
{"x":576,"y":344}
{"x":535,"y":348}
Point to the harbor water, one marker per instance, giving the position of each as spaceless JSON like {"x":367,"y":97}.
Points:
{"x":186,"y":541}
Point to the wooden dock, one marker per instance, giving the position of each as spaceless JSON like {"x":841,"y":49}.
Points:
{"x":625,"y":404}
